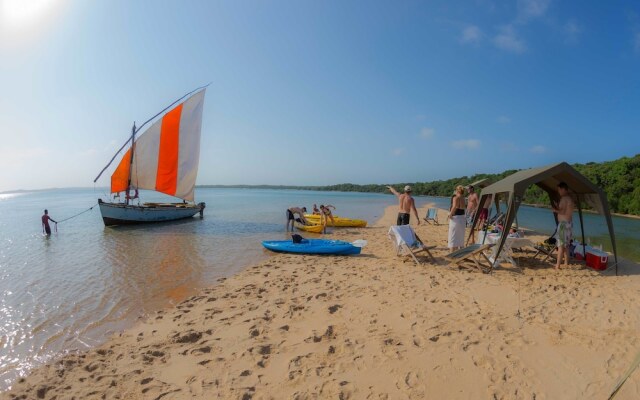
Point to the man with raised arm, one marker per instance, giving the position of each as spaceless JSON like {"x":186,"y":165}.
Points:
{"x":406,"y":204}
{"x":564,"y":209}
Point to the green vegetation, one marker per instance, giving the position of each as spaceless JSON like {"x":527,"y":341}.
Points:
{"x":620,"y":180}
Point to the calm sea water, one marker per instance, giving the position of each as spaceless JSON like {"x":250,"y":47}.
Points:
{"x":71,"y":290}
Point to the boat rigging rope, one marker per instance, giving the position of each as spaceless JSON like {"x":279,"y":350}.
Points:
{"x":78,"y":214}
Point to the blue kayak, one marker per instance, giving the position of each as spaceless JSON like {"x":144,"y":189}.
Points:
{"x":312,"y":246}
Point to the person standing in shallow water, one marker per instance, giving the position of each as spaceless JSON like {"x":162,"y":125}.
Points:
{"x":45,"y":222}
{"x":406,"y":205}
{"x":564,"y":209}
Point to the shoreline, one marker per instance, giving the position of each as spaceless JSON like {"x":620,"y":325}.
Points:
{"x":371,"y":326}
{"x":266,"y":187}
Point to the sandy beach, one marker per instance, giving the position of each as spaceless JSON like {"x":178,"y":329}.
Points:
{"x":374,"y":326}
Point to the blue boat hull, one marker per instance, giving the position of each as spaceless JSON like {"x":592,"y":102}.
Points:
{"x":312,"y":246}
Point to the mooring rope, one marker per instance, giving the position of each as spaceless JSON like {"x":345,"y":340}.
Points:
{"x":78,"y":214}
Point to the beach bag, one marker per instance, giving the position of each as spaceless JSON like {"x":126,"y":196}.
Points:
{"x":297,"y":238}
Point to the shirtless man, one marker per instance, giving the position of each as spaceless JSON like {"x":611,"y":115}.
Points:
{"x":45,"y":223}
{"x":472,"y":202}
{"x":291,"y":211}
{"x":406,"y":204}
{"x":564,"y":209}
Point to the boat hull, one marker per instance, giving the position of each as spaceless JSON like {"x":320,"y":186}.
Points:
{"x":312,"y":246}
{"x":309,"y":228}
{"x":338,"y":221}
{"x":121,"y":214}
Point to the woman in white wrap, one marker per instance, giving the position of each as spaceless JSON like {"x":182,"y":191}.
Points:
{"x":457,"y":220}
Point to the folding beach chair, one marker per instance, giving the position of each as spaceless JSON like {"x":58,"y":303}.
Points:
{"x":407,"y":243}
{"x":432,"y":215}
{"x":473,"y":255}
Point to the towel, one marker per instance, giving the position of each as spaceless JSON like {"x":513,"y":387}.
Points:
{"x":457,"y":225}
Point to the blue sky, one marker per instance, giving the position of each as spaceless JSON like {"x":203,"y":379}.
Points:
{"x":320,"y":92}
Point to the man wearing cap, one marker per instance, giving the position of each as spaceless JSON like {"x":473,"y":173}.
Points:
{"x":406,"y":204}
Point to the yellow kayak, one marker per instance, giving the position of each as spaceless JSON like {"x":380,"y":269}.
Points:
{"x":339,"y":221}
{"x":309,"y":228}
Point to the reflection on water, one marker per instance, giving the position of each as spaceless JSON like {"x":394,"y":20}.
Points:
{"x":71,"y":290}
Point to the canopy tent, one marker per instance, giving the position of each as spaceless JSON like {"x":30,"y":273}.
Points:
{"x":482,"y":183}
{"x":547,"y":178}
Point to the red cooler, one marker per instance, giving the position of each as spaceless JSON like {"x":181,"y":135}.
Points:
{"x":597,"y":259}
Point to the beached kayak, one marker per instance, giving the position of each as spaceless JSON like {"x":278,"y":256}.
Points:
{"x":312,"y":246}
{"x":339,"y":221}
{"x":309,"y":228}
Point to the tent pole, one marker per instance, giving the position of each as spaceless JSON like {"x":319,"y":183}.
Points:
{"x":584,"y":251}
{"x":512,"y":209}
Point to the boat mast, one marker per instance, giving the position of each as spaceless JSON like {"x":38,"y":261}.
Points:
{"x":133,"y":144}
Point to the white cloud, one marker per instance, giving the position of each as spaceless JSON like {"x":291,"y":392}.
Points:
{"x":572,"y":31}
{"x":427,"y":133}
{"x":509,"y":147}
{"x":471,"y":34}
{"x":397,"y":151}
{"x":532,"y":8}
{"x":538,"y":149}
{"x":469,"y":144}
{"x":508,"y":40}
{"x":503,"y":119}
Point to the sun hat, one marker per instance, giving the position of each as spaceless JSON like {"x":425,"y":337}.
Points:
{"x":407,"y":188}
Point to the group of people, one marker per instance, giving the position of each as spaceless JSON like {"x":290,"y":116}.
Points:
{"x":324,"y":211}
{"x":461,"y":210}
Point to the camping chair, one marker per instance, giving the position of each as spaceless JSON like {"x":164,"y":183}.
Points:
{"x":473,"y":255}
{"x":408,"y":243}
{"x":546,"y":248}
{"x":432,"y":215}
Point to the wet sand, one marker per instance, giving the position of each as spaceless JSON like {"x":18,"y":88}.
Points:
{"x":374,"y":326}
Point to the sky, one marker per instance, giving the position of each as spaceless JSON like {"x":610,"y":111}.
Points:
{"x":315,"y":93}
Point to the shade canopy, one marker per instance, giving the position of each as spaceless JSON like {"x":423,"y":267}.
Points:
{"x":482,"y":183}
{"x":547,"y":178}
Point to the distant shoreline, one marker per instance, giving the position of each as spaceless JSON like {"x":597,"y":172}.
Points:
{"x":290,"y":187}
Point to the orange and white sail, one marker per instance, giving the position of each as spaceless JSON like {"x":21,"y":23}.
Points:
{"x":166,"y":156}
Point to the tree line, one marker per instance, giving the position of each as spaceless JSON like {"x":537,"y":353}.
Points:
{"x":620,"y":180}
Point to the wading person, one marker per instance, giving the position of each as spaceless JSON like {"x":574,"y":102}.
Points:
{"x":564,"y":209}
{"x":406,"y":204}
{"x":45,"y":223}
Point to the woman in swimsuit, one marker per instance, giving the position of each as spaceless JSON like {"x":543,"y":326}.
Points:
{"x":457,"y":220}
{"x":326,"y":211}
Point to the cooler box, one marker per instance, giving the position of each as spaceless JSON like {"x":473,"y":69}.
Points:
{"x":597,"y":259}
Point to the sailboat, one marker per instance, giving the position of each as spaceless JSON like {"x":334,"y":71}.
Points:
{"x":164,"y":158}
